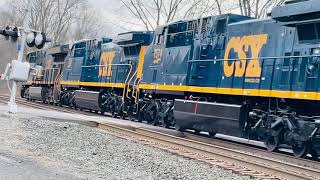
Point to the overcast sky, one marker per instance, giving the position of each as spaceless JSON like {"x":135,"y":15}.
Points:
{"x":111,"y":11}
{"x":114,"y":16}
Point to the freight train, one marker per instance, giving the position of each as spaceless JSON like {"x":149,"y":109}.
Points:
{"x":230,"y":74}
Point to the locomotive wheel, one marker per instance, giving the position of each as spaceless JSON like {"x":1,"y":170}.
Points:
{"x":300,"y":150}
{"x":165,"y":124}
{"x":149,"y":117}
{"x":130,"y":117}
{"x":153,"y":122}
{"x":179,"y":128}
{"x":272,"y":143}
{"x":197,"y":132}
{"x":140,"y":117}
{"x":211,"y":134}
{"x":123,"y":116}
{"x":113,"y":114}
{"x":314,"y":154}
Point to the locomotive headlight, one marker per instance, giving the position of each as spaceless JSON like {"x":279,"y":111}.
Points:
{"x":30,"y":39}
{"x":316,"y":51}
{"x":38,"y":39}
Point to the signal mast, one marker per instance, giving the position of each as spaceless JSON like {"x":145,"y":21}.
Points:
{"x":17,"y":70}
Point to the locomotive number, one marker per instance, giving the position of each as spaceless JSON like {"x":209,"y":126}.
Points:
{"x":106,"y":61}
{"x":157,"y":56}
{"x":242,"y":46}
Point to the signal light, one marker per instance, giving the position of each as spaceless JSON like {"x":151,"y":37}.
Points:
{"x":31,"y":39}
{"x":37,"y":39}
{"x":6,"y":33}
{"x":40,"y":40}
{"x":15,"y":36}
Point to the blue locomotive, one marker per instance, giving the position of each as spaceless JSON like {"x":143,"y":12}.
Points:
{"x":43,"y":85}
{"x":229,"y":74}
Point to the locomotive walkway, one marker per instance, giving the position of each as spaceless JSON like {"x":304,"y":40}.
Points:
{"x":241,"y":159}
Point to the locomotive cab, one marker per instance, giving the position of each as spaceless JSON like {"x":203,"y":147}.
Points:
{"x":303,"y":15}
{"x":134,"y":46}
{"x":302,"y":18}
{"x":267,"y":72}
{"x":77,"y":58}
{"x":48,"y":68}
{"x":99,"y":74}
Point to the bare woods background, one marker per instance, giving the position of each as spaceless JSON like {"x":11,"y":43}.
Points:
{"x":68,"y":20}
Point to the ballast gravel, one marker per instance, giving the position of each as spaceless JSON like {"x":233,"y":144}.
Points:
{"x":83,"y":152}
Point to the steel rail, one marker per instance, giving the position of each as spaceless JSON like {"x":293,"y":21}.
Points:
{"x":4,"y":99}
{"x":253,"y":149}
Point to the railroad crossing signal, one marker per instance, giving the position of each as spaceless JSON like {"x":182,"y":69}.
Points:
{"x":10,"y":32}
{"x":33,"y":39}
{"x":37,"y":39}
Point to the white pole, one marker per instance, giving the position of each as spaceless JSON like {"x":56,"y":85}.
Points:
{"x":13,"y":108}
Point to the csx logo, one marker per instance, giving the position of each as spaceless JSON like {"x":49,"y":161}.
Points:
{"x":106,"y":61}
{"x":242,"y":46}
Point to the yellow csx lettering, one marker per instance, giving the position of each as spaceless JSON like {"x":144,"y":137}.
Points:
{"x":241,"y":45}
{"x":106,"y":61}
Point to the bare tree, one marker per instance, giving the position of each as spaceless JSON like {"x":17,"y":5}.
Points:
{"x":66,"y":14}
{"x":53,"y":17}
{"x":88,"y":25}
{"x":200,"y":8}
{"x":257,"y":8}
{"x":153,"y":13}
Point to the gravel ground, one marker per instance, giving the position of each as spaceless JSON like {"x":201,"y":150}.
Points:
{"x":80,"y":152}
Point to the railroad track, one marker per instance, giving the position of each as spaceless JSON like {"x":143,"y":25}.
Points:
{"x":39,"y":105}
{"x":237,"y":161}
{"x":256,"y":151}
{"x":246,"y":160}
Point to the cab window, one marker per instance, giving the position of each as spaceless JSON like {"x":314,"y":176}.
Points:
{"x":79,"y":49}
{"x":309,"y":33}
{"x":179,"y":35}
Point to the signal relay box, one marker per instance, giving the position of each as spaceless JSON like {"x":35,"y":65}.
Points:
{"x":19,"y":71}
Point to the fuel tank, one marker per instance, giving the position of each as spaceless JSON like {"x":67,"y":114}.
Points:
{"x":35,"y":93}
{"x":210,"y":117}
{"x":87,"y":100}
